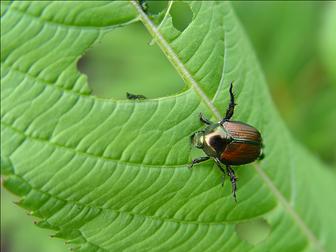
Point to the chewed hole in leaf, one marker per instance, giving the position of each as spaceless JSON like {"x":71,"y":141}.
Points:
{"x":155,"y":7}
{"x":253,"y":231}
{"x":181,"y":14}
{"x":121,"y":63}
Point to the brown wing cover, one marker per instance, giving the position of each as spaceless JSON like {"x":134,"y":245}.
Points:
{"x":241,"y":130}
{"x":239,"y":152}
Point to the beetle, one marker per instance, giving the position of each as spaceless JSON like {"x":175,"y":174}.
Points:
{"x":228,"y":143}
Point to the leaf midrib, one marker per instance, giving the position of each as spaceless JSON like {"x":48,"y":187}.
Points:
{"x":177,"y":64}
{"x":183,"y":71}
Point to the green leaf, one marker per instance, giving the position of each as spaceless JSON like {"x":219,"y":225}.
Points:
{"x":301,"y":85}
{"x":328,"y":40}
{"x":111,"y":175}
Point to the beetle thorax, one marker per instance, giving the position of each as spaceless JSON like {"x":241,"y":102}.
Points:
{"x":215,"y":140}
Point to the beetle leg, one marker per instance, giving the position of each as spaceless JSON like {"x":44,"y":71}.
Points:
{"x":198,"y":160}
{"x":219,"y":164}
{"x":204,"y":120}
{"x":233,"y":179}
{"x":230,"y":109}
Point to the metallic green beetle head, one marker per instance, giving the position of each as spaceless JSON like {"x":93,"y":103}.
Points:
{"x":197,"y":139}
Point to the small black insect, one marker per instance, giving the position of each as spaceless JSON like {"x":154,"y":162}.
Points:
{"x":228,"y":142}
{"x":134,"y":96}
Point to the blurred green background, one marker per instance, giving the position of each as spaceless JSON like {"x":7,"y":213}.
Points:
{"x":295,"y":43}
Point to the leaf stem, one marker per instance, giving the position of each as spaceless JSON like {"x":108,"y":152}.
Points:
{"x":174,"y":59}
{"x":170,"y":4}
